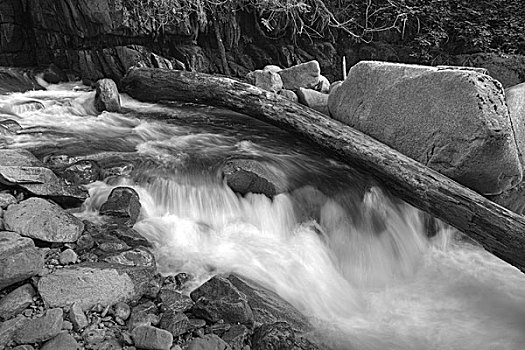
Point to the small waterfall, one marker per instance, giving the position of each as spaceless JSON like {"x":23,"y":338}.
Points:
{"x":337,"y":246}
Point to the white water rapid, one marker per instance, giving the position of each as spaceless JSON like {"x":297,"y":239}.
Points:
{"x":336,"y":245}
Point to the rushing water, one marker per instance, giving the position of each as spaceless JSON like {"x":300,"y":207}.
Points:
{"x":351,"y":257}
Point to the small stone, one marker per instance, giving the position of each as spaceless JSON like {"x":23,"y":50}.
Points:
{"x":122,"y":310}
{"x":304,"y":75}
{"x":314,"y":99}
{"x":266,"y":80}
{"x":142,"y":315}
{"x":176,"y":347}
{"x":63,"y":341}
{"x":136,"y":257}
{"x":85,"y":242}
{"x":94,"y":336}
{"x":197,"y":322}
{"x":152,"y":338}
{"x":210,"y":342}
{"x":77,"y":317}
{"x":40,"y":329}
{"x":289,"y":94}
{"x":19,"y":259}
{"x":82,"y":172}
{"x":9,"y":328}
{"x":237,"y":336}
{"x":16,"y":301}
{"x":176,"y":323}
{"x":6,"y":199}
{"x":66,"y":325}
{"x":68,"y":256}
{"x":174,"y":300}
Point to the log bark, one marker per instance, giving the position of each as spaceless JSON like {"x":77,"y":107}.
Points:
{"x":499,"y":230}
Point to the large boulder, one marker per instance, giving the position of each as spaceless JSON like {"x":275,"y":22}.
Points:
{"x":21,"y":168}
{"x":452,"y":120}
{"x":306,"y":75}
{"x":94,"y":283}
{"x":43,"y":220}
{"x":107,"y":97}
{"x":514,"y":198}
{"x":19,"y":259}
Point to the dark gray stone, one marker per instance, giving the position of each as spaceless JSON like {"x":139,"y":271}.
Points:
{"x":208,"y":342}
{"x":246,"y":175}
{"x":280,"y":335}
{"x":237,"y":336}
{"x":175,"y":300}
{"x":82,"y":172}
{"x":218,"y":299}
{"x":123,"y":203}
{"x":176,"y":323}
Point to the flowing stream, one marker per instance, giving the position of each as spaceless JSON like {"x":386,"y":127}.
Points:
{"x":348,"y":255}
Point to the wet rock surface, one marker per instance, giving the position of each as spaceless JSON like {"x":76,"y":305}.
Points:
{"x":107,"y":97}
{"x":245,"y":175}
{"x":124,"y":204}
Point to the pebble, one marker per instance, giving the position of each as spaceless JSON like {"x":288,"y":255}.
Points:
{"x":68,"y":256}
{"x":121,"y":310}
{"x":66,"y":325}
{"x":152,"y":338}
{"x":77,"y":317}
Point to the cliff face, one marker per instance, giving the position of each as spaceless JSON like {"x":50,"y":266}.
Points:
{"x":100,"y":38}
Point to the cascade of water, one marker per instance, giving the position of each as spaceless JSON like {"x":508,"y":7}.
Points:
{"x":337,"y":247}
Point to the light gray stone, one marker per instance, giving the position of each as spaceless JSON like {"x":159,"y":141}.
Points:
{"x":313,"y":99}
{"x":107,"y":97}
{"x":40,"y":219}
{"x":305,"y":75}
{"x":6,"y":199}
{"x":19,"y":259}
{"x":78,"y":317}
{"x":68,"y":256}
{"x":16,"y":301}
{"x":9,"y":328}
{"x":208,"y":342}
{"x":266,"y":80}
{"x":151,"y":338}
{"x":324,"y":85}
{"x":289,"y":94}
{"x":63,"y":341}
{"x":454,"y":121}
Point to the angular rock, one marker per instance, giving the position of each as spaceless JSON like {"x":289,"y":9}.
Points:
{"x":289,"y":94}
{"x":454,"y":121}
{"x":40,"y":219}
{"x":267,"y":306}
{"x":54,"y":75}
{"x":7,"y":199}
{"x":9,"y":328}
{"x":19,"y":259}
{"x":208,"y":342}
{"x":152,"y":338}
{"x":246,"y":175}
{"x":94,"y":283}
{"x":16,"y":301}
{"x":175,"y":300}
{"x":314,"y":99}
{"x":107,"y":97}
{"x":82,"y":172}
{"x":123,"y":203}
{"x":41,"y":328}
{"x":218,"y":299}
{"x":126,"y":234}
{"x":305,"y":75}
{"x":143,"y":315}
{"x":63,"y":341}
{"x":22,"y":168}
{"x":237,"y":337}
{"x":78,"y":317}
{"x":266,"y":80}
{"x":176,"y":323}
{"x":280,"y":335}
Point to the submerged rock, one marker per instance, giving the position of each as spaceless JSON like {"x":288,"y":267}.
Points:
{"x":452,"y":120}
{"x":244,"y":176}
{"x":40,"y":219}
{"x":107,"y":97}
{"x":19,"y":259}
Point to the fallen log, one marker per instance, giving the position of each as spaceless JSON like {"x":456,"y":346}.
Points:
{"x":499,"y":230}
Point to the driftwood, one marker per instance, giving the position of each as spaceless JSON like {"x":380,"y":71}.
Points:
{"x":499,"y":230}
